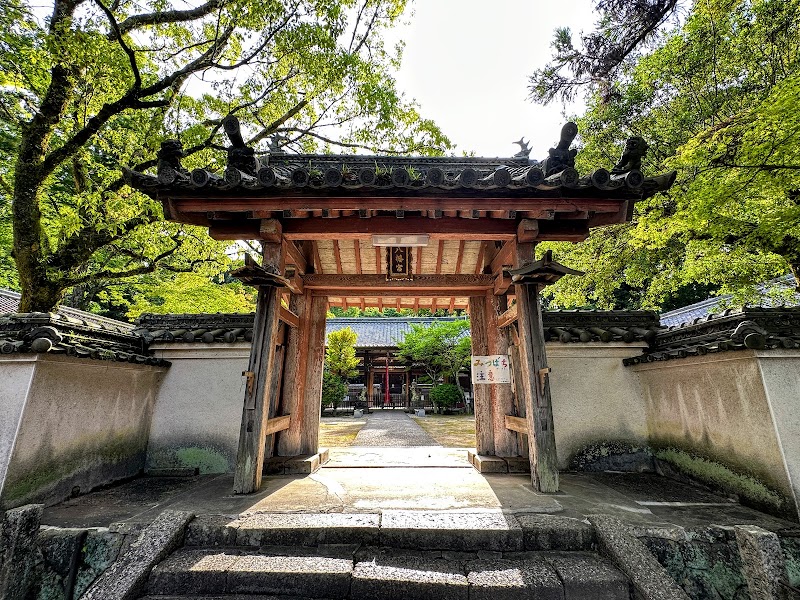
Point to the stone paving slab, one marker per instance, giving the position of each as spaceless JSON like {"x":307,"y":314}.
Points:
{"x":552,"y":532}
{"x":588,"y":577}
{"x":314,"y":576}
{"x":408,"y":578}
{"x":509,"y":580}
{"x":461,"y":531}
{"x":307,"y":529}
{"x":392,"y":428}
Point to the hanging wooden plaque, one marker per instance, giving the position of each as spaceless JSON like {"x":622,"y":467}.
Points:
{"x":398,"y":262}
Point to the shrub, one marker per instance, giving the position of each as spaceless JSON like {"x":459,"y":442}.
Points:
{"x":333,"y":389}
{"x":446,"y":395}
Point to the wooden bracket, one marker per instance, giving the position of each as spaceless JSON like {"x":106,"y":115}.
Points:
{"x":543,"y":375}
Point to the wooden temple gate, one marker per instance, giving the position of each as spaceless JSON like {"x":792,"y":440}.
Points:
{"x":408,"y":232}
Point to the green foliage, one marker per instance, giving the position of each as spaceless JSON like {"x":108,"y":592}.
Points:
{"x":333,"y":389}
{"x":99,"y":86}
{"x":717,"y":101}
{"x":340,"y":353}
{"x":446,"y":395}
{"x":442,"y":349}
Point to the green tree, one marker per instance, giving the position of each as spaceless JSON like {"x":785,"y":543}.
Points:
{"x":340,"y":353}
{"x":716,"y":99}
{"x":333,"y":389}
{"x":442,"y":349}
{"x":98,"y":85}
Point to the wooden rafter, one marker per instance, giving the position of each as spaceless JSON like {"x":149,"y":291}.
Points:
{"x":378,"y":259}
{"x":452,"y":304}
{"x":460,"y":256}
{"x":317,"y":259}
{"x":480,"y":262}
{"x":357,"y":250}
{"x":337,"y":256}
{"x":439,"y":254}
{"x":418,"y":267}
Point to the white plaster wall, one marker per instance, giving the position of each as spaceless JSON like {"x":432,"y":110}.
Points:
{"x":595,"y":398}
{"x":85,"y":423}
{"x":780,"y":370}
{"x":16,"y":373}
{"x":198,"y":412}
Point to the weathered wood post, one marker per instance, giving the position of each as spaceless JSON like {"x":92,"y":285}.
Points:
{"x":502,"y":397}
{"x":535,"y":374}
{"x":296,"y":363}
{"x":250,"y":456}
{"x":479,"y":335}
{"x":312,"y":398}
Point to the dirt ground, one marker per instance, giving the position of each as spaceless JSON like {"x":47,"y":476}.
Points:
{"x":451,"y":431}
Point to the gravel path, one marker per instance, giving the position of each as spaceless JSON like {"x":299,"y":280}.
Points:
{"x":392,"y":428}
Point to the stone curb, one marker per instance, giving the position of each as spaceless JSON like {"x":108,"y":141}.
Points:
{"x":18,"y":530}
{"x":762,"y":562}
{"x":126,"y":578}
{"x":649,"y":579}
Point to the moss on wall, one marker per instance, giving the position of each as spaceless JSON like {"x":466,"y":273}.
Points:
{"x":750,"y":490}
{"x":613,"y":455}
{"x":207,"y":459}
{"x":91,"y":461}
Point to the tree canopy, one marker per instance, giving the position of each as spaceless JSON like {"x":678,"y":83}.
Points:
{"x":98,"y":85}
{"x":442,"y":348}
{"x":715,"y":96}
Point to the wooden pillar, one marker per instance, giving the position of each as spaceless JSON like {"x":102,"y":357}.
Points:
{"x":502,"y":397}
{"x":484,"y":429}
{"x":250,"y":456}
{"x":408,"y":388}
{"x":289,"y":440}
{"x":535,"y":381}
{"x":274,"y":386}
{"x":312,"y":397}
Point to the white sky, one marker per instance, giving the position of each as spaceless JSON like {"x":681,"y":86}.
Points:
{"x":467,"y":63}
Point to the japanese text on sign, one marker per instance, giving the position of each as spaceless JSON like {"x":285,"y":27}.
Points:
{"x":491,"y":369}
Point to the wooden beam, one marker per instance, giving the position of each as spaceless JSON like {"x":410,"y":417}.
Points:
{"x":417,"y":268}
{"x":518,"y":424}
{"x":192,"y":200}
{"x":368,"y":284}
{"x":447,"y":228}
{"x":416,"y":304}
{"x":460,"y":259}
{"x":295,"y":257}
{"x":288,"y":317}
{"x":357,"y":250}
{"x":452,"y":304}
{"x":439,"y":257}
{"x":502,"y":282}
{"x":504,"y":257}
{"x":277,"y":424}
{"x":337,"y":255}
{"x":378,"y":260}
{"x":508,"y":317}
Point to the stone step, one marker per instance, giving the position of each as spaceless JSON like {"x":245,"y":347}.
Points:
{"x":457,"y":531}
{"x":380,"y":573}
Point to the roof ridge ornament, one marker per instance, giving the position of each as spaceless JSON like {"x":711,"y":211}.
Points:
{"x":524,"y":149}
{"x":562,"y":156}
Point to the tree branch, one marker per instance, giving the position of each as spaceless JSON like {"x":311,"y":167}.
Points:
{"x":169,"y":16}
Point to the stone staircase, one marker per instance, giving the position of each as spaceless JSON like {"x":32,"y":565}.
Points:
{"x":394,"y":555}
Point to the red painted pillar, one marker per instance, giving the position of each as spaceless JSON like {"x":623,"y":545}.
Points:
{"x":386,"y":393}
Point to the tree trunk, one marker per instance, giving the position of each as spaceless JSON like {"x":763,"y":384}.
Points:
{"x":39,"y":292}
